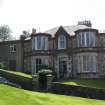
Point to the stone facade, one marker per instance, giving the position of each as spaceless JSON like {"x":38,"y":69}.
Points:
{"x":8,"y":54}
{"x":70,"y":51}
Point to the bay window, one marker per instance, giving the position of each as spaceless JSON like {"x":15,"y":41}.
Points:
{"x":40,"y":43}
{"x":86,"y":63}
{"x":86,"y":39}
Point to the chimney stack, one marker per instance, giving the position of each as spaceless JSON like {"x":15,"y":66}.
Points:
{"x":33,"y":31}
{"x":86,"y":23}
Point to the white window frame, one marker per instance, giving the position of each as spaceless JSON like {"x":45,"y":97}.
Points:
{"x":60,"y":40}
{"x":43,"y":43}
{"x":82,"y":39}
{"x":12,"y":48}
{"x":89,"y":63}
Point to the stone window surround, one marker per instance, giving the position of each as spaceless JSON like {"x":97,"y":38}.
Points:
{"x":61,"y":42}
{"x":90,"y":62}
{"x":44,"y":61}
{"x":86,"y":39}
{"x":40,"y":42}
{"x":12,"y":48}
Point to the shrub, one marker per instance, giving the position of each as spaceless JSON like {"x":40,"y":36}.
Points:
{"x":2,"y":66}
{"x":5,"y":67}
{"x":45,"y":72}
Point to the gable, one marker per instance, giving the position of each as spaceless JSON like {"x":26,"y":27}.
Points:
{"x":60,"y":31}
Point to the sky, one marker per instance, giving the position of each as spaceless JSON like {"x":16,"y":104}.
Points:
{"x":46,"y":14}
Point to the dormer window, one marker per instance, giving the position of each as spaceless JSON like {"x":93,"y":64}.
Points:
{"x":61,"y":42}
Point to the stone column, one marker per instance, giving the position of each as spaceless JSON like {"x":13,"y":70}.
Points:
{"x":35,"y":82}
{"x":49,"y":81}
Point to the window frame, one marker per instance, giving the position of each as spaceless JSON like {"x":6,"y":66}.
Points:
{"x":86,"y":39}
{"x":87,"y":63}
{"x":62,"y":42}
{"x":12,"y":48}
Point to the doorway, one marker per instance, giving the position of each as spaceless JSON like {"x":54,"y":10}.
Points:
{"x":62,"y":68}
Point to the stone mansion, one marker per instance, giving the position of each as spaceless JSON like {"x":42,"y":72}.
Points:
{"x":71,"y":51}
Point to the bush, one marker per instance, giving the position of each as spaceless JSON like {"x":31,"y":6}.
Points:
{"x":45,"y":72}
{"x":2,"y":66}
{"x":5,"y":67}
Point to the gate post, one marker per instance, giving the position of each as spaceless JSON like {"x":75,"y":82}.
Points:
{"x":49,"y":81}
{"x":35,"y":82}
{"x":45,"y":79}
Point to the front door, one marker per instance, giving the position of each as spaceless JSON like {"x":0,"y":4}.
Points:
{"x":62,"y":69}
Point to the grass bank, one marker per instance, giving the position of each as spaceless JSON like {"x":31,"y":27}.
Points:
{"x":18,"y":73}
{"x":85,"y":82}
{"x":14,"y":96}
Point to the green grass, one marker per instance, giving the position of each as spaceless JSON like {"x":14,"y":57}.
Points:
{"x":18,"y":73}
{"x":84,"y":82}
{"x":14,"y":96}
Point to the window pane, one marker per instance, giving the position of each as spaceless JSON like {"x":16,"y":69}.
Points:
{"x":83,"y":39}
{"x":12,"y":48}
{"x":61,"y":41}
{"x":38,"y":64}
{"x":43,"y":45}
{"x":39,"y":42}
{"x":87,"y":39}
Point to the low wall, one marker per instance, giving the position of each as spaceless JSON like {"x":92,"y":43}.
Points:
{"x":24,"y":82}
{"x":86,"y":92}
{"x":58,"y":88}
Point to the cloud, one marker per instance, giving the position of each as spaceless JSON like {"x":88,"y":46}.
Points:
{"x":26,"y":14}
{"x":1,"y":3}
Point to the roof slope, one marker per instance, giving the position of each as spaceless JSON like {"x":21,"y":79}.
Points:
{"x":69,"y":29}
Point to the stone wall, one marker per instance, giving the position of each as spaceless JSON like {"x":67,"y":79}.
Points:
{"x":80,"y":91}
{"x":24,"y":82}
{"x":7,"y":57}
{"x":101,"y":40}
{"x":19,"y":56}
{"x":27,"y":65}
{"x":101,"y":64}
{"x":4,"y":54}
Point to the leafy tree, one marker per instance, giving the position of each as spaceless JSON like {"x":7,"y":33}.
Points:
{"x":5,"y":33}
{"x":26,"y":33}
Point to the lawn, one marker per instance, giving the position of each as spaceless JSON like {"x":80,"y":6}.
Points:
{"x":18,"y":73}
{"x":14,"y":96}
{"x":85,"y":82}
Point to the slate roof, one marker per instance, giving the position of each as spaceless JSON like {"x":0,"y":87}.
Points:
{"x":69,"y":29}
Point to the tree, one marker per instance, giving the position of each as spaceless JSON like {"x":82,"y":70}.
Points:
{"x":5,"y":33}
{"x":26,"y":33}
